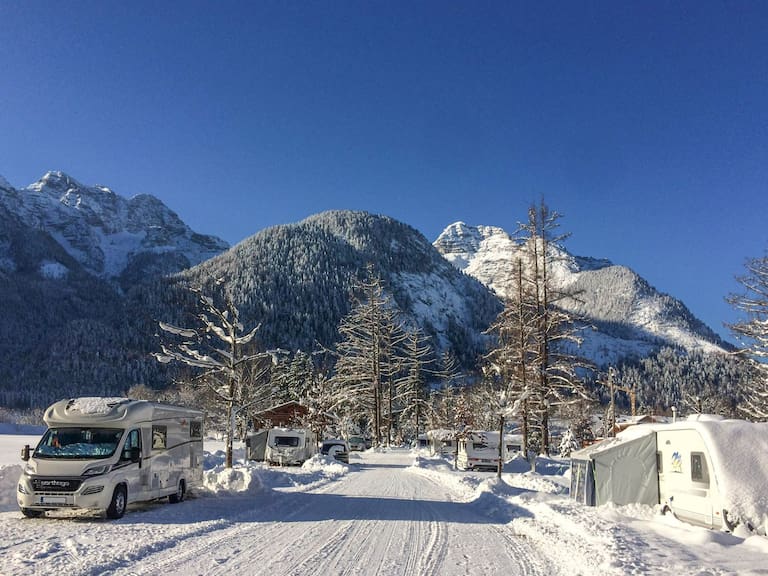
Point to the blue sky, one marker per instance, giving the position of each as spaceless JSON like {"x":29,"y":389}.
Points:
{"x":645,"y":123}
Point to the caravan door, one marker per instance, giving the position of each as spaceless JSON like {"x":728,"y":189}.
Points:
{"x":686,"y":485}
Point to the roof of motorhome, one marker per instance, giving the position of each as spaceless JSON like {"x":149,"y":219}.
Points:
{"x":738,"y":451}
{"x":441,"y":434}
{"x":94,"y":410}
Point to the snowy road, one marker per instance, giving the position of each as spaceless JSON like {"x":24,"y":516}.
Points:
{"x":383,"y":519}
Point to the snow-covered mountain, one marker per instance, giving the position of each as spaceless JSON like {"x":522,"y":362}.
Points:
{"x":107,"y":234}
{"x":632,"y":318}
{"x":296,"y":279}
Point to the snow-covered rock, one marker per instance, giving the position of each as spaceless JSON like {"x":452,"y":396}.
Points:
{"x":102,"y":230}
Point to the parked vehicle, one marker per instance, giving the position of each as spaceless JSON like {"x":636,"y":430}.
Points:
{"x":442,"y":441}
{"x":337,"y":448}
{"x":290,"y":446}
{"x":478,"y":450}
{"x":357,"y":443}
{"x":703,"y":470}
{"x":105,"y":453}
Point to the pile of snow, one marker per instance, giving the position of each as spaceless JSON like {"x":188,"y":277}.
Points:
{"x":9,"y":478}
{"x":328,"y":465}
{"x":240,"y":479}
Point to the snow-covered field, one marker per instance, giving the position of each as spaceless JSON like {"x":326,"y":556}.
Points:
{"x":389,"y":512}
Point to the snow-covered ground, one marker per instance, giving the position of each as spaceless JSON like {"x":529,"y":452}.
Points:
{"x":389,"y":512}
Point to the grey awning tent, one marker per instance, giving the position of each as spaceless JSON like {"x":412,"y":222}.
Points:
{"x":622,"y":471}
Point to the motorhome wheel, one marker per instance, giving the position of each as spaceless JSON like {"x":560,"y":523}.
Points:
{"x":29,"y":513}
{"x":728,"y":522}
{"x":179,"y":495}
{"x":117,"y":506}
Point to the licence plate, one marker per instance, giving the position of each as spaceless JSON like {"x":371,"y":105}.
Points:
{"x":53,"y":499}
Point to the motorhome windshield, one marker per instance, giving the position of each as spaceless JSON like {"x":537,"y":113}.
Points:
{"x":288,"y":441}
{"x":78,"y":443}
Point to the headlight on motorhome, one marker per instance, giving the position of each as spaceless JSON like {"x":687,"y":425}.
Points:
{"x":22,"y":489}
{"x":97,"y":470}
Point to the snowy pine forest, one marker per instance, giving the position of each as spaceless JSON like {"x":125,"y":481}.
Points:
{"x":74,"y":326}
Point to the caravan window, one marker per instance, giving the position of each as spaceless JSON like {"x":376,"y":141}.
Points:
{"x":699,"y":472}
{"x":289,"y":441}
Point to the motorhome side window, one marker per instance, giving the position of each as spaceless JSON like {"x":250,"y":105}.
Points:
{"x":195,"y":429}
{"x":159,"y":437}
{"x":699,"y":471}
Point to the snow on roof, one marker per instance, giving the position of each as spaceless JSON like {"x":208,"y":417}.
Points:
{"x":94,"y":404}
{"x":739,"y":452}
{"x":441,"y":434}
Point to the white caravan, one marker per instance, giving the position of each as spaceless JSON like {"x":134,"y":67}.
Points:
{"x":290,"y":446}
{"x":478,"y":450}
{"x":706,"y":470}
{"x":441,"y":441}
{"x":105,"y":453}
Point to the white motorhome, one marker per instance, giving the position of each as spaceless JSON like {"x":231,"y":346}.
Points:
{"x":105,"y":453}
{"x":290,"y":446}
{"x":705,"y":470}
{"x":478,"y":450}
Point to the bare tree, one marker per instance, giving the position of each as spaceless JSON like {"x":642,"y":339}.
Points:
{"x":752,"y":333}
{"x":217,"y":348}
{"x":555,"y":331}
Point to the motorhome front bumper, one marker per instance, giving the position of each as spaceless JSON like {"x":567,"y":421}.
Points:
{"x":44,"y":493}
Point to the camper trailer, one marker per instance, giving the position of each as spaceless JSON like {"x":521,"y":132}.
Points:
{"x":289,"y":446}
{"x":513,"y":444}
{"x":105,"y":453}
{"x":441,"y":441}
{"x":478,"y":450}
{"x":706,"y":471}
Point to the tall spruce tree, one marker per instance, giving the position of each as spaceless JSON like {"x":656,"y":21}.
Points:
{"x":369,"y":334}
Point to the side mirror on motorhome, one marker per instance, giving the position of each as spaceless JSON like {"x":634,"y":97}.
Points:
{"x":25,"y":452}
{"x":136,"y":454}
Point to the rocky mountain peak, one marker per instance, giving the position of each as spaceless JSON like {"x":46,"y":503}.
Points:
{"x":632,"y":315}
{"x":104,"y":231}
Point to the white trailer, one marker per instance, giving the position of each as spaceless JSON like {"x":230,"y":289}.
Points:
{"x":705,"y":470}
{"x":478,"y":450}
{"x":441,"y":441}
{"x":290,"y":446}
{"x":105,"y":453}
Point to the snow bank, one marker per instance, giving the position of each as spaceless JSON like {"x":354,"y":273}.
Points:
{"x":9,"y":478}
{"x":240,"y":480}
{"x":328,"y":465}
